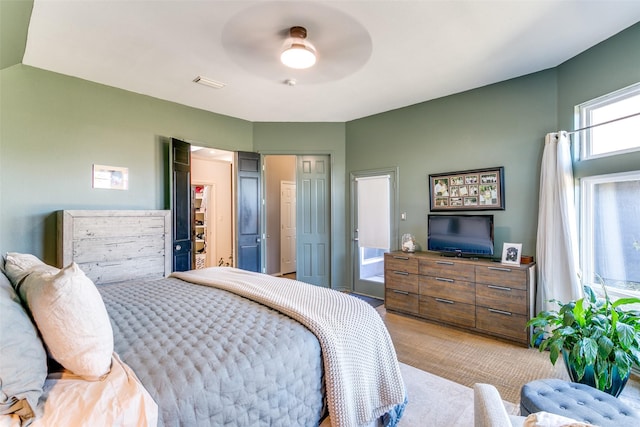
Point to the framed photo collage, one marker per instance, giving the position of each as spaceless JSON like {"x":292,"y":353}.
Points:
{"x":477,"y":189}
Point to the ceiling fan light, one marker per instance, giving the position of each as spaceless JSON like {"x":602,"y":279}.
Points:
{"x":297,"y":51}
{"x":298,"y":56}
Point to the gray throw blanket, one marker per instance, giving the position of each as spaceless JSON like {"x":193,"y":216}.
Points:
{"x":362,"y":375}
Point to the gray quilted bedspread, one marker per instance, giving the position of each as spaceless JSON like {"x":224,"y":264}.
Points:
{"x":212,"y":358}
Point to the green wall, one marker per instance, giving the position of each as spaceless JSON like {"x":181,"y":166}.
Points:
{"x":498,"y":125}
{"x":14,"y":23}
{"x":606,"y":67}
{"x":54,"y":128}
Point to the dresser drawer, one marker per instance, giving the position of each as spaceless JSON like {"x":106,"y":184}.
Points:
{"x":447,"y":311}
{"x":450,"y":289}
{"x":401,"y":301}
{"x":401,"y":280}
{"x":502,"y":298}
{"x":447,"y":269}
{"x":398,"y":262}
{"x":502,"y":275}
{"x":503,"y":323}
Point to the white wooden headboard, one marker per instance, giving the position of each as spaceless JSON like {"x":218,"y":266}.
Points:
{"x":116,"y":245}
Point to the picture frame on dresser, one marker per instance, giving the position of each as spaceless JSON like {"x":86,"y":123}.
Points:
{"x":467,"y":190}
{"x":511,"y":253}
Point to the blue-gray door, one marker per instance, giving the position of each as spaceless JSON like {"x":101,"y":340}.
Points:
{"x":182,"y":257}
{"x":248,"y":221}
{"x":313,"y":221}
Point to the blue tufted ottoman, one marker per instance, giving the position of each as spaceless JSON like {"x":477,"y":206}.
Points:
{"x":577,"y":401}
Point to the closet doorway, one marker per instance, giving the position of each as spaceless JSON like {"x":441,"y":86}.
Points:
{"x":280,"y":212}
{"x":212,"y":200}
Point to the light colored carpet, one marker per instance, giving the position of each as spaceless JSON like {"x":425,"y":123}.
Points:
{"x":437,"y":402}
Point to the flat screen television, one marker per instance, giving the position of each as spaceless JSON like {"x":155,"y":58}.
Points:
{"x":461,"y":235}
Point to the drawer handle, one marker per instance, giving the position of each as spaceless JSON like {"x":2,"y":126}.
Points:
{"x":400,"y":292}
{"x":406,"y":258}
{"x":403,"y":273}
{"x":445,"y":301}
{"x":444,"y":262}
{"x":508,"y":270}
{"x":501,"y":288}
{"x":442,"y":279}
{"x":493,"y":310}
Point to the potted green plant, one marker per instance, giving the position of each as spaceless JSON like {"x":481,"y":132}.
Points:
{"x":599,"y":341}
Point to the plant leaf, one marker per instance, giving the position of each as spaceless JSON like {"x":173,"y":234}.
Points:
{"x":588,"y":350}
{"x":579,"y":313}
{"x":624,"y":301}
{"x":626,"y":334}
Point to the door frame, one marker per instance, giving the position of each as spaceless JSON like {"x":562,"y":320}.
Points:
{"x":354,"y":257}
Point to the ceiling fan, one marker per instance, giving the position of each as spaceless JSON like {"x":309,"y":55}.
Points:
{"x":255,"y":37}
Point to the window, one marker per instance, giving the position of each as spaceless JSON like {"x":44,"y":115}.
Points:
{"x":609,"y":208}
{"x":610,"y":232}
{"x":371,"y":255}
{"x":617,"y":137}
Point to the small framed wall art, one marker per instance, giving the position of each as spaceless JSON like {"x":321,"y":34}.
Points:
{"x":511,"y":253}
{"x":470,"y":190}
{"x":110,"y":177}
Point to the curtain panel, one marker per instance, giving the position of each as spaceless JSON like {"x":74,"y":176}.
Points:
{"x":557,"y":237}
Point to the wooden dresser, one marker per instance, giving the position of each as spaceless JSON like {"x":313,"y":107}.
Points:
{"x":478,"y":295}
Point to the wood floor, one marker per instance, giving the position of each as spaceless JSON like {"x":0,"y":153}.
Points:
{"x":468,"y":358}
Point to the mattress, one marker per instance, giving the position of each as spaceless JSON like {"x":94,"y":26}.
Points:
{"x":209,"y":357}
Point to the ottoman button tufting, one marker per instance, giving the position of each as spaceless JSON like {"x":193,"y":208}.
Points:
{"x":577,"y":401}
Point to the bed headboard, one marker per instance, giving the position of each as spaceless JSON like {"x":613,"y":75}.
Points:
{"x":116,"y":245}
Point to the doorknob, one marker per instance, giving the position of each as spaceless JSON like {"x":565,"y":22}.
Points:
{"x":257,"y":240}
{"x":178,"y":247}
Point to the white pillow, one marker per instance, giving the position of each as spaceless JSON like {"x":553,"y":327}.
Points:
{"x":72,"y":319}
{"x":18,"y":266}
{"x":546,"y":419}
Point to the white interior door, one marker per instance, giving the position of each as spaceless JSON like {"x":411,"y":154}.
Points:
{"x":287,"y":227}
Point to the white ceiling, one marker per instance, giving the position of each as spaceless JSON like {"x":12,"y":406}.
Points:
{"x":374,"y":56}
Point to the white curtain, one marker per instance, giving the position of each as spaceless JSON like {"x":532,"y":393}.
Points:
{"x":374,"y":212}
{"x":557,"y":239}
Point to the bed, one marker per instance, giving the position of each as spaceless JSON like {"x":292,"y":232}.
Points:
{"x":223,"y":346}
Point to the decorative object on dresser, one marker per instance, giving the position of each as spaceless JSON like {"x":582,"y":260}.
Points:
{"x":478,"y":295}
{"x":408,"y":243}
{"x":512,"y":253}
{"x":599,"y":341}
